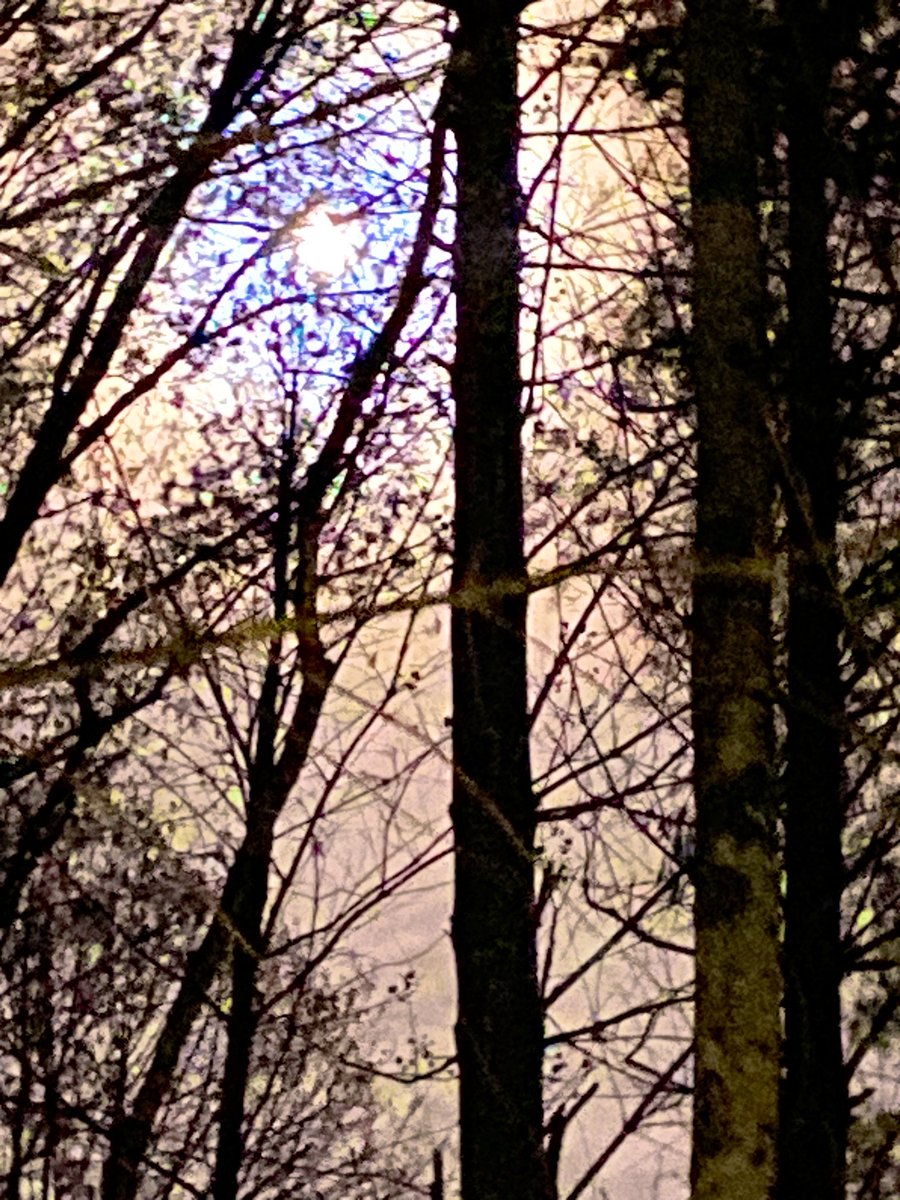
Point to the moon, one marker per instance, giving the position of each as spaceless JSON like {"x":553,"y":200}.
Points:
{"x":326,"y":248}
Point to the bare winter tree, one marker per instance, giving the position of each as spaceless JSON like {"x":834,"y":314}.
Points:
{"x":379,"y":382}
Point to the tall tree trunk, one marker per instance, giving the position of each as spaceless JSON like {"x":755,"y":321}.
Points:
{"x":738,"y":981}
{"x":499,"y":1031}
{"x":814,"y":1112}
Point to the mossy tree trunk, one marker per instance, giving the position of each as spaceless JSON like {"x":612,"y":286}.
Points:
{"x":738,"y":981}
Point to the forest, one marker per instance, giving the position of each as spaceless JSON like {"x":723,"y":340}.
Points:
{"x":449,"y":600}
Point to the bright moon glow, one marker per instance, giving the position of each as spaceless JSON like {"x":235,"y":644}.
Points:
{"x":326,"y":249}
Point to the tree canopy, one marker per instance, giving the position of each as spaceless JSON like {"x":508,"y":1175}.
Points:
{"x":449,"y":599}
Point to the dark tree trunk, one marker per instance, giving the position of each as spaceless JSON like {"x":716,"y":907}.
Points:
{"x":814,"y":1112}
{"x":738,"y":982}
{"x":242,"y":1025}
{"x":131,"y":1132}
{"x":436,"y":1190}
{"x":240,"y":912}
{"x":499,"y":1026}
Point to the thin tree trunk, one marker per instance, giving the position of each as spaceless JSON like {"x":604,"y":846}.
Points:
{"x":19,"y":1118}
{"x":242,"y":900}
{"x":242,"y":1025}
{"x":131,"y":1131}
{"x":814,"y":1100}
{"x":436,"y":1190}
{"x":738,"y":982}
{"x":269,"y":788}
{"x":499,"y":1023}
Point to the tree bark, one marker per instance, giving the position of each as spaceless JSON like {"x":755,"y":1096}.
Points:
{"x":814,"y":1100}
{"x":738,"y":982}
{"x":499,"y":1031}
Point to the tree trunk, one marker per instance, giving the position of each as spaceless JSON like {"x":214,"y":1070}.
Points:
{"x":499,"y":1025}
{"x":240,"y":911}
{"x":738,"y":983}
{"x":814,"y":1112}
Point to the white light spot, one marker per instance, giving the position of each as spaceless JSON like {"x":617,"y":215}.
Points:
{"x":324,"y":248}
